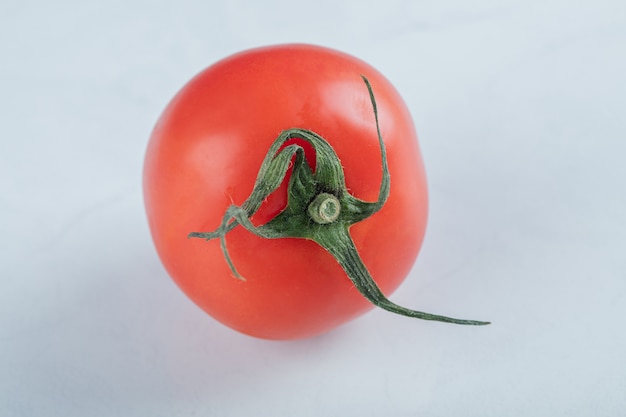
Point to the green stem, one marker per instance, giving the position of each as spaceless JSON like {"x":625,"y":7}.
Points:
{"x":319,"y":208}
{"x":325,"y":209}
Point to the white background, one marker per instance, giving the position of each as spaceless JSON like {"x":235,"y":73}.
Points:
{"x":520,"y":108}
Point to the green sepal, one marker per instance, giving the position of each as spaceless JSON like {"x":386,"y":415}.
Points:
{"x":307,"y":189}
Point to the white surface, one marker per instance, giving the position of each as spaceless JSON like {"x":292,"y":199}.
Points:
{"x":520,"y":111}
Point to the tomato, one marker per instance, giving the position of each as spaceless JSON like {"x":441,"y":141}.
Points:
{"x":204,"y":156}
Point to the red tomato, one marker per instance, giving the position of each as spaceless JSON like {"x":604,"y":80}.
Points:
{"x":204,"y":155}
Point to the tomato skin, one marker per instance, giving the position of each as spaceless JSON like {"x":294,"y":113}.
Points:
{"x":204,"y":155}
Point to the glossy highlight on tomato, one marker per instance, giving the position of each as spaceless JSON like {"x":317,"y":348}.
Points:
{"x":204,"y":156}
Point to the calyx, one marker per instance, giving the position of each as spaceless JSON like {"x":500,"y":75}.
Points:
{"x":319,"y":208}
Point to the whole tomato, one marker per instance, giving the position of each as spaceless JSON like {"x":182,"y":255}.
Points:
{"x":231,"y":181}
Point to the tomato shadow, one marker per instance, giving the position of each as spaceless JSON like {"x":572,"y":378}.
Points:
{"x":113,"y":332}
